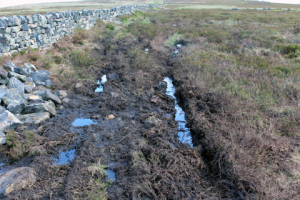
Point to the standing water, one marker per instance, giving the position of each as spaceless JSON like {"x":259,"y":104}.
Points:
{"x":111,"y":175}
{"x":82,"y":122}
{"x":65,"y":157}
{"x":184,"y":133}
{"x":100,"y":84}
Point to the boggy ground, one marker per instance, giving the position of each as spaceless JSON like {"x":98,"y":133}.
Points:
{"x":149,"y":163}
{"x":237,"y":75}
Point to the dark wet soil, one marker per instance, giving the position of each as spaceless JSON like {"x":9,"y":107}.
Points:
{"x":108,"y":127}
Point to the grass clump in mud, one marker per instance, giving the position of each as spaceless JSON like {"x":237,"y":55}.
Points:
{"x":24,"y":144}
{"x":99,"y":188}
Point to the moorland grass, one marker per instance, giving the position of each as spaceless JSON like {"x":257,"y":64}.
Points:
{"x":248,"y":59}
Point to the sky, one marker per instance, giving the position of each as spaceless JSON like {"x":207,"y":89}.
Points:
{"x":6,"y":3}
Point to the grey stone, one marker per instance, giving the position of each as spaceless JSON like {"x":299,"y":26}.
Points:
{"x":3,"y":24}
{"x":28,"y":88}
{"x":40,"y":92}
{"x":114,"y":94}
{"x":30,"y":97}
{"x":16,"y":106}
{"x":152,"y":121}
{"x":30,"y":66}
{"x":9,"y":66}
{"x":16,"y":179}
{"x":66,"y":100}
{"x":6,"y":50}
{"x":40,"y":83}
{"x":78,"y":85}
{"x":3,"y":92}
{"x":39,"y":107}
{"x":29,"y":81}
{"x":16,"y":75}
{"x":61,"y":94}
{"x":2,"y":110}
{"x":48,"y":83}
{"x":3,"y":81}
{"x":51,"y":103}
{"x":49,"y":96}
{"x":3,"y":73}
{"x":22,"y":71}
{"x":39,"y":77}
{"x":35,"y":118}
{"x":24,"y":27}
{"x":12,"y":93}
{"x":14,"y":52}
{"x":8,"y":121}
{"x":15,"y":83}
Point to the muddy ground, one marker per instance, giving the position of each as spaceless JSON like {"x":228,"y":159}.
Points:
{"x":150,"y":163}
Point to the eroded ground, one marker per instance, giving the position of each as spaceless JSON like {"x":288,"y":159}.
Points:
{"x":237,"y":152}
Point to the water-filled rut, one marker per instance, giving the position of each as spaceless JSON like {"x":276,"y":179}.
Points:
{"x":184,"y":133}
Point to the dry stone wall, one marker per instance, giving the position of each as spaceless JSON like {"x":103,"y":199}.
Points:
{"x":20,"y":32}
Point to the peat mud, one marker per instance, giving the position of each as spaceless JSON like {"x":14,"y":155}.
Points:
{"x":128,"y":130}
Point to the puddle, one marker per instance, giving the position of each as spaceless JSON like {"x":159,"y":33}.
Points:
{"x":65,"y":157}
{"x":83,"y":122}
{"x":111,"y":175}
{"x":103,"y":79}
{"x":100,"y":84}
{"x":184,"y":133}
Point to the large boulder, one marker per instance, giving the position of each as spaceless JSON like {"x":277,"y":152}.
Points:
{"x":29,"y":66}
{"x":15,"y":83}
{"x":29,"y":85}
{"x":49,"y":96}
{"x":11,"y":94}
{"x":16,"y":75}
{"x":22,"y":71}
{"x":8,"y":121}
{"x":16,"y":106}
{"x":35,"y":118}
{"x":9,"y":66}
{"x":36,"y":107}
{"x":16,"y":179}
{"x":39,"y":77}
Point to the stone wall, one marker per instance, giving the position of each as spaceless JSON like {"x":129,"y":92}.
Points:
{"x":20,"y":32}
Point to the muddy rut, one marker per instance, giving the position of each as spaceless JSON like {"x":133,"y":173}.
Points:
{"x":132,"y":125}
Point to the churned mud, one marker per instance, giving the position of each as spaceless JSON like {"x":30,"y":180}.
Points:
{"x":133,"y":123}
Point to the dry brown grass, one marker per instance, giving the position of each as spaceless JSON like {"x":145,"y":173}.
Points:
{"x":241,"y":92}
